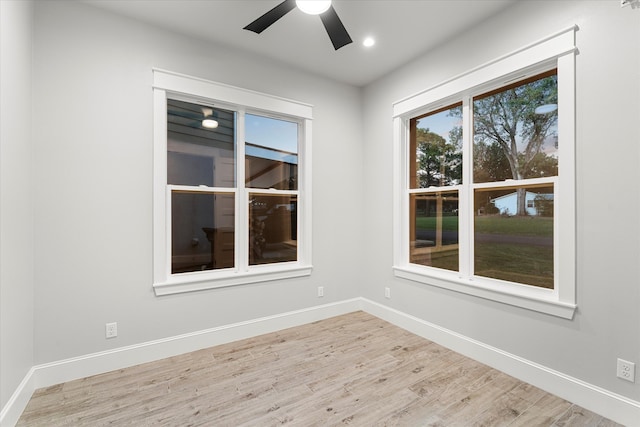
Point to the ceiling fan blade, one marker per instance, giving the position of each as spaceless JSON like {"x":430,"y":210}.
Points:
{"x":336,"y":30}
{"x":266,"y":20}
{"x":184,"y":114}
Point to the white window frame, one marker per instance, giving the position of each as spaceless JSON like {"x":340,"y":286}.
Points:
{"x":170,"y":85}
{"x":555,"y":51}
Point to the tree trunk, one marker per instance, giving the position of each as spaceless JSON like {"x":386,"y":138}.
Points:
{"x":521,"y":201}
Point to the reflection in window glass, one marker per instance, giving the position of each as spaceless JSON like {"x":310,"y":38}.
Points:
{"x":436,"y":149}
{"x":197,"y":155}
{"x":271,"y":153}
{"x":273,"y":228}
{"x":434,"y":230}
{"x":202,"y":236}
{"x":516,"y":248}
{"x":516,"y":131}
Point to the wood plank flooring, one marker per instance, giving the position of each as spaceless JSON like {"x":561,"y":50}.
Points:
{"x":353,"y":370}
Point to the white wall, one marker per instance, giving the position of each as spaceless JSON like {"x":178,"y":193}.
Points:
{"x":16,"y":207}
{"x":93,"y":163}
{"x":607,"y":323}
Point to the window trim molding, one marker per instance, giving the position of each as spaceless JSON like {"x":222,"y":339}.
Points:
{"x":227,"y":94}
{"x":556,"y":50}
{"x":542,"y":51}
{"x":167,"y":84}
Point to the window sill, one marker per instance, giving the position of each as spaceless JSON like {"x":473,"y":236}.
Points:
{"x":540,"y":300}
{"x":199,"y":281}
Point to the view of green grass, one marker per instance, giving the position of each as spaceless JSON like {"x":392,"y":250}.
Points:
{"x":515,"y":225}
{"x":445,"y":259}
{"x":494,"y":224}
{"x":506,"y":260}
{"x":532,"y":265}
{"x":449,"y":223}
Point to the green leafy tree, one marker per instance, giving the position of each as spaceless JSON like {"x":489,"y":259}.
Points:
{"x":439,"y":162}
{"x":508,"y":120}
{"x":491,"y":164}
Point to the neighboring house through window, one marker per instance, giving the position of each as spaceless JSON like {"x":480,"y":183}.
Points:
{"x":485,"y":182}
{"x":232,"y":185}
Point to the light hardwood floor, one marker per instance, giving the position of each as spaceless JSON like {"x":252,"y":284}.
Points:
{"x":353,"y":369}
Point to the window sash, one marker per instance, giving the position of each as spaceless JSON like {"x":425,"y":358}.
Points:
{"x":172,"y":192}
{"x":253,"y":264}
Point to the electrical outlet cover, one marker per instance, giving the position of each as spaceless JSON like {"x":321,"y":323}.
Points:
{"x":626,"y":370}
{"x":111,"y":330}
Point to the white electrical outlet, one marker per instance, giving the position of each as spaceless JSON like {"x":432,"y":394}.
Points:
{"x":626,"y":370}
{"x":111,"y":330}
{"x":320,"y":291}
{"x":387,"y":292}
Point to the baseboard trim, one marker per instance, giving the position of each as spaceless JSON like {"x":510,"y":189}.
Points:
{"x":57,"y":372}
{"x":611,"y":405}
{"x":119,"y":358}
{"x":11,"y":412}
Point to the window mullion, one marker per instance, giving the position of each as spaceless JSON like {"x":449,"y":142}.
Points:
{"x":466,"y":192}
{"x":242,"y":198}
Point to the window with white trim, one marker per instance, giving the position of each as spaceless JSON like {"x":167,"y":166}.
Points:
{"x":231,"y":185}
{"x":485,"y":180}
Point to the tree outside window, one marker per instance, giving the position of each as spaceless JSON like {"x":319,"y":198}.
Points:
{"x":515,"y":133}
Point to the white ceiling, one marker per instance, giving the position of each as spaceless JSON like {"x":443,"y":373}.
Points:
{"x":403,"y":29}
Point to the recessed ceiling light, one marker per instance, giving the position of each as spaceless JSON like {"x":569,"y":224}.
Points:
{"x":368,"y":42}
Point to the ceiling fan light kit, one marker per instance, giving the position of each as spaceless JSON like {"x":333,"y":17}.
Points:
{"x":209,"y":123}
{"x":332,"y":23}
{"x":313,"y":7}
{"x":368,"y":42}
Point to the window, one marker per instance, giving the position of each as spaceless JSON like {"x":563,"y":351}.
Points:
{"x":485,"y":180}
{"x":231,"y":185}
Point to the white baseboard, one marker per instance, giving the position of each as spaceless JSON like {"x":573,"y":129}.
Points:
{"x":603,"y":402}
{"x":97,"y":363}
{"x":18,"y":401}
{"x":593,"y":398}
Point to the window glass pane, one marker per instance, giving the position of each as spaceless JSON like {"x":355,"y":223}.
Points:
{"x":436,"y":149}
{"x":202,"y":236}
{"x":273,"y":225}
{"x":516,"y":248}
{"x":271,"y":153}
{"x":434,"y":230}
{"x":197,"y":155}
{"x":515,"y":131}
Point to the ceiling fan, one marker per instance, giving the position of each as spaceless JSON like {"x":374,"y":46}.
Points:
{"x":332,"y":23}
